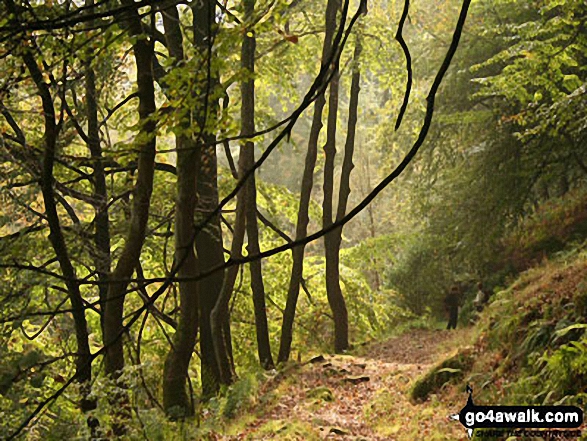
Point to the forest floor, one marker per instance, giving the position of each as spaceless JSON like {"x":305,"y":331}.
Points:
{"x":363,"y":396}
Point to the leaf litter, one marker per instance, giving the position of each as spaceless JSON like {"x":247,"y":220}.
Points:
{"x":363,"y":396}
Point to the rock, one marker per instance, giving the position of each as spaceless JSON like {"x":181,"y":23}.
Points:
{"x":356,"y":380}
{"x":338,"y":431}
{"x":317,"y":359}
{"x":450,"y":370}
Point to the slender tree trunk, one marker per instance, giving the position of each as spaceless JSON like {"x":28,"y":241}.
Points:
{"x":257,"y":285}
{"x":221,"y":309}
{"x":305,"y":194}
{"x":129,"y":258}
{"x":143,"y":51}
{"x":176,"y":401}
{"x":83,"y":359}
{"x":101,"y":252}
{"x":248,"y":128}
{"x":209,"y":245}
{"x":210,"y":254}
{"x":334,"y":239}
{"x":331,"y":247}
{"x":102,"y":256}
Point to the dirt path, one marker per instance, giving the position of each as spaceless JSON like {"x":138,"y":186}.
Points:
{"x":358,"y":397}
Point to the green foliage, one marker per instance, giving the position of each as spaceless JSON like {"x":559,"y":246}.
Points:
{"x":565,"y":369}
{"x":547,"y":230}
{"x":509,"y":135}
{"x":235,"y":397}
{"x":541,"y":65}
{"x":421,"y":277}
{"x":485,"y":190}
{"x":534,"y":343}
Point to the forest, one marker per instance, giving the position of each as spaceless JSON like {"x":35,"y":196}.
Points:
{"x":252,"y":219}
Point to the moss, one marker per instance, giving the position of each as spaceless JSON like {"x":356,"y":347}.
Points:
{"x":286,"y":430}
{"x":321,"y":393}
{"x":450,"y":370}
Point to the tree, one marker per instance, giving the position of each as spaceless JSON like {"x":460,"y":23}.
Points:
{"x":95,"y":174}
{"x":50,"y":135}
{"x":209,"y":239}
{"x":248,"y":152}
{"x":306,"y":189}
{"x":175,"y":394}
{"x":129,"y":259}
{"x":333,"y":240}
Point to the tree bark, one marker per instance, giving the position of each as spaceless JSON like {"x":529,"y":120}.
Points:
{"x":83,"y":359}
{"x":305,"y":194}
{"x":333,"y":240}
{"x":129,"y":258}
{"x":219,"y":315}
{"x":210,"y":255}
{"x":102,"y":256}
{"x":176,"y":401}
{"x":333,"y":290}
{"x":248,"y":152}
{"x":209,"y":245}
{"x":331,"y":245}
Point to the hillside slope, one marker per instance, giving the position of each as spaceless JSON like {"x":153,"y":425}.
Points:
{"x":528,"y":347}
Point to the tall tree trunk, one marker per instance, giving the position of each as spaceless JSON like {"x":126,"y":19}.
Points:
{"x":333,"y":290}
{"x":101,"y":252}
{"x":257,"y":285}
{"x":208,"y":241}
{"x":83,"y":358}
{"x":305,"y":194}
{"x":102,"y":256}
{"x":129,"y":258}
{"x":334,"y":239}
{"x":176,"y":400}
{"x":221,"y":312}
{"x":210,"y":255}
{"x":248,"y":128}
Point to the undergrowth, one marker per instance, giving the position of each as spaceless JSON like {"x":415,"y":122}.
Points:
{"x":531,"y":344}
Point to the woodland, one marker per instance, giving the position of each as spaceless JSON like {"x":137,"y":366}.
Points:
{"x":241,"y":219}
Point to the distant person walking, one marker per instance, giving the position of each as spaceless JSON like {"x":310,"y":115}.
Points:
{"x":451,"y":304}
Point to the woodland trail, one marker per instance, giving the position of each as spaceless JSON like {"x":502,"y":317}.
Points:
{"x":359,"y":397}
